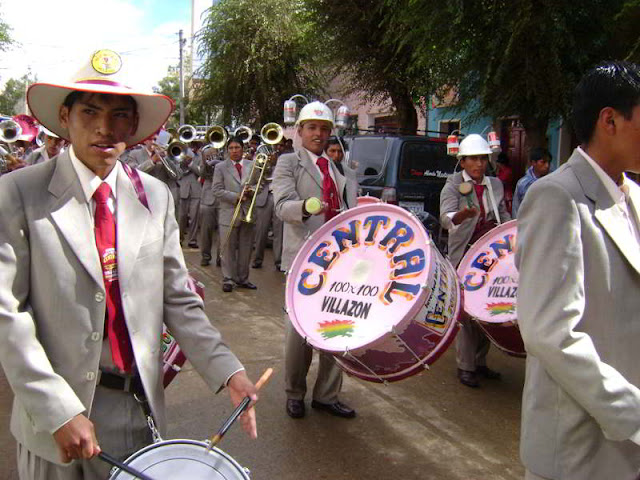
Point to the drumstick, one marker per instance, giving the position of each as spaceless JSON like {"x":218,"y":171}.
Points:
{"x":242,"y":406}
{"x":122,"y":466}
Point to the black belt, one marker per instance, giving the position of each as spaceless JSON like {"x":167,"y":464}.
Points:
{"x":125,"y":383}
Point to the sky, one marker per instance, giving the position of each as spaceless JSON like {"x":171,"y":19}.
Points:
{"x":53,"y":38}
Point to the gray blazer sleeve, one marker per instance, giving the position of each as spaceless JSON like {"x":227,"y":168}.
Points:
{"x":288,"y":203}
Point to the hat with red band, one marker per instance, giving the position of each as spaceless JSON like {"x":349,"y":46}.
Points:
{"x":102,"y":74}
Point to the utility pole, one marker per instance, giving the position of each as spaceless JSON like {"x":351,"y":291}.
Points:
{"x":182,"y":42}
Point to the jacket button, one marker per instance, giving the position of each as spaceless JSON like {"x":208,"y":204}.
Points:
{"x":91,"y":376}
{"x":99,"y":297}
{"x":96,"y":336}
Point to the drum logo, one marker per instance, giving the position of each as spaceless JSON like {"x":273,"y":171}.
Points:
{"x":485,"y":262}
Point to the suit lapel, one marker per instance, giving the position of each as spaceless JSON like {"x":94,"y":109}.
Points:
{"x":309,"y":166}
{"x":70,"y":212}
{"x":606,"y":211}
{"x":132,"y":218}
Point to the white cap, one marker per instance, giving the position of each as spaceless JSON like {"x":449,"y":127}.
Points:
{"x":315,"y":111}
{"x":473,"y":144}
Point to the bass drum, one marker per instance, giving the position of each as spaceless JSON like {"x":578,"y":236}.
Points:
{"x":184,"y":459}
{"x":490,"y":281}
{"x":370,"y":288}
{"x":172,"y":357}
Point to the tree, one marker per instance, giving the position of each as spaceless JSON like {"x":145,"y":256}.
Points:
{"x":170,"y":86}
{"x":256,"y":55}
{"x":507,"y":57}
{"x":373,"y":58}
{"x":5,"y":38}
{"x":12,"y":95}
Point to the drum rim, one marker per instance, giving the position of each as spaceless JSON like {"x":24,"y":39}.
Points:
{"x":460,"y":271}
{"x":418,"y":301}
{"x":177,"y":441}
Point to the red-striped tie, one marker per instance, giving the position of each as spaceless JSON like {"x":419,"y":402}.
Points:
{"x":115,"y":326}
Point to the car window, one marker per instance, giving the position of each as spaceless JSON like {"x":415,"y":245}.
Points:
{"x":424,"y":160}
{"x":369,"y":153}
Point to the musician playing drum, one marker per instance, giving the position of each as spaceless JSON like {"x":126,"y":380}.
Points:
{"x":471,"y":204}
{"x":91,"y":267}
{"x":298,"y":177}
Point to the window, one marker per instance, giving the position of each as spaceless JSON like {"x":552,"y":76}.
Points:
{"x":424,"y":161}
{"x":448,"y":126}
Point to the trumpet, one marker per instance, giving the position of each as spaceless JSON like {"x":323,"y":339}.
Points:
{"x":187,"y":133}
{"x":244,"y":133}
{"x":176,"y":153}
{"x":10,"y":131}
{"x":216,"y":136}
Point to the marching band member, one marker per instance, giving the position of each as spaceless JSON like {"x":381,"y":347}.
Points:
{"x":298,"y":177}
{"x":228,"y":180}
{"x":81,"y":314}
{"x":209,"y":209}
{"x":466,"y":224}
{"x":190,"y":193}
{"x":579,"y":274}
{"x":265,"y":218}
{"x":53,"y":144}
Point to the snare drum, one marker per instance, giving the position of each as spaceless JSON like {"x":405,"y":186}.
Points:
{"x":172,"y":356}
{"x":186,"y":459}
{"x":490,"y":282}
{"x":370,"y":288}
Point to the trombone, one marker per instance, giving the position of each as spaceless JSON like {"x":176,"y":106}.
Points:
{"x":10,"y":131}
{"x":176,"y":153}
{"x":244,"y":133}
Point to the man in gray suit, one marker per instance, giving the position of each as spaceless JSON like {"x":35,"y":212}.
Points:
{"x":300,"y":181}
{"x":190,"y":193}
{"x":468,"y":215}
{"x":53,"y":145}
{"x":578,"y":303}
{"x":229,"y":178}
{"x":209,"y":209}
{"x":90,"y":268}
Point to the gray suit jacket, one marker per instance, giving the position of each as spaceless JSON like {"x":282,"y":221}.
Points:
{"x":227,"y":184}
{"x":578,"y":311}
{"x":35,"y":157}
{"x":295,"y":179}
{"x":52,"y":296}
{"x":451,"y":200}
{"x":190,"y":186}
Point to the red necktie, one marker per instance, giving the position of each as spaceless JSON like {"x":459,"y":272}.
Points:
{"x":329,"y":190}
{"x":115,"y":326}
{"x":239,"y":169}
{"x":479,"y":193}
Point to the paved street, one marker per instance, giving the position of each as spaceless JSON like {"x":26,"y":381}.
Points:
{"x":426,"y":427}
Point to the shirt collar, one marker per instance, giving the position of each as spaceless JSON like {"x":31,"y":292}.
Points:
{"x":614,"y":190}
{"x":314,"y":158}
{"x":467,"y":178}
{"x":89,"y":180}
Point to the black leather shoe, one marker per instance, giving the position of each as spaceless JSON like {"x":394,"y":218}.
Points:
{"x":227,"y":287}
{"x":295,"y":408}
{"x":248,"y":285}
{"x":486,"y":372}
{"x":338,"y":409}
{"x":470,"y":379}
{"x":256,"y":265}
{"x":205,"y":262}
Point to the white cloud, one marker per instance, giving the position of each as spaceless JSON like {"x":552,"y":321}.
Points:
{"x":56,"y":37}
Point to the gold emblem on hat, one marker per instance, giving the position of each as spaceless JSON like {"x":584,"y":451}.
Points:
{"x":106,"y":62}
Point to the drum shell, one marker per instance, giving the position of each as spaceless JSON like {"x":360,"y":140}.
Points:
{"x":181,"y":458}
{"x":381,"y":361}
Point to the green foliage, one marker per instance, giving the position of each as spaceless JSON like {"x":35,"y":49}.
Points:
{"x":626,"y":32}
{"x":12,"y":94}
{"x":5,"y":37}
{"x":256,"y":55}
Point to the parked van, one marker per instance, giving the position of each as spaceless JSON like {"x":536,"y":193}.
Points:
{"x":408,"y":171}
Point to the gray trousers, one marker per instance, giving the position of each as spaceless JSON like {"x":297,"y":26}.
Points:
{"x":472,"y":346}
{"x":266,"y":216}
{"x":208,"y":231}
{"x":237,"y":254}
{"x":532,"y":476}
{"x":121,"y":430}
{"x":188,"y":221}
{"x":297,"y":360}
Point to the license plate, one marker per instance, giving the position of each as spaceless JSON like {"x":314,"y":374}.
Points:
{"x":415,"y":207}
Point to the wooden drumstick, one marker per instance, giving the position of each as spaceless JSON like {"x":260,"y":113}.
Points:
{"x":105,"y":457}
{"x":242,"y":406}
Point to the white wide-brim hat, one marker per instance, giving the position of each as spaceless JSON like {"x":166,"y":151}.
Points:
{"x":102,"y":74}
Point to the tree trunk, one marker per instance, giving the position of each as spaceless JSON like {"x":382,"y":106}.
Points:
{"x":405,"y":112}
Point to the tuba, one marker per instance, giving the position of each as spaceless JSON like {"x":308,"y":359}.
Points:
{"x":187,"y":133}
{"x":216,"y":136}
{"x":244,"y":133}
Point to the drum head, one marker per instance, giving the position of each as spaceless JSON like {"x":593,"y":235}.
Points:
{"x":489,"y":276}
{"x":362,"y":274}
{"x":183,"y":459}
